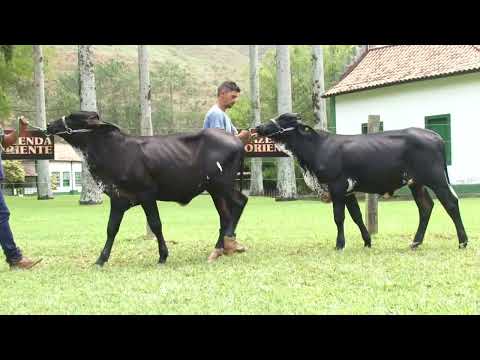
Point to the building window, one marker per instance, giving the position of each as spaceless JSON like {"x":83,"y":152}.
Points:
{"x":441,"y":125}
{"x":365,"y":127}
{"x":66,"y":179}
{"x":78,"y":178}
{"x":55,"y":179}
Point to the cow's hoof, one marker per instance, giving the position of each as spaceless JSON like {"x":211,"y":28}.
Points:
{"x":463,"y":245}
{"x":162,"y":260}
{"x":339,"y":248}
{"x":99,"y":263}
{"x":414,"y":245}
{"x":367,"y":246}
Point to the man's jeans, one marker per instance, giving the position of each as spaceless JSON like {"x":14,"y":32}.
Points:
{"x":12,"y":252}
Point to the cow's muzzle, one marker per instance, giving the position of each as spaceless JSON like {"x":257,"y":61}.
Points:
{"x":269,"y":131}
{"x":260,"y":130}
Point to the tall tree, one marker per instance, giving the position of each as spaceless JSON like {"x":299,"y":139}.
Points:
{"x":43,"y":166}
{"x":319,"y":105}
{"x":7,"y":51}
{"x":360,"y":50}
{"x":91,"y":193}
{"x":256,"y":176}
{"x":286,"y":184}
{"x":146,"y":128}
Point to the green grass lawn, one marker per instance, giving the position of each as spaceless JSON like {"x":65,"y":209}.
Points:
{"x":290,"y":268}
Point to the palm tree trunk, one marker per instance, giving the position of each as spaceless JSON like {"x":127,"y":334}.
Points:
{"x":146,"y":128}
{"x":42,"y":166}
{"x":91,"y":193}
{"x":286,"y":184}
{"x":256,"y":175}
{"x":319,"y":105}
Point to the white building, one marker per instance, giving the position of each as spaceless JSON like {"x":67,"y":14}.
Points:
{"x":66,"y":168}
{"x":427,"y":86}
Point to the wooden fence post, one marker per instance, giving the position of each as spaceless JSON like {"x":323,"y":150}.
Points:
{"x":371,"y":212}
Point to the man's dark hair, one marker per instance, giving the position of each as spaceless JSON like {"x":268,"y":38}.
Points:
{"x":228,"y":86}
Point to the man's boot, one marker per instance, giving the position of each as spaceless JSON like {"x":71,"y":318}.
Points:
{"x":231,"y":245}
{"x":24,"y":263}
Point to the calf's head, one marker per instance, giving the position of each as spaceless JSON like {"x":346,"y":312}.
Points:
{"x":79,"y":122}
{"x":281,"y":127}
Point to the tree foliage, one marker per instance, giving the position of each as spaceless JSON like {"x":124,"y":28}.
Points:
{"x":174,"y":106}
{"x":17,"y":90}
{"x":7,"y":52}
{"x":16,"y":76}
{"x":14,"y":172}
{"x":117,"y":94}
{"x":335,"y":59}
{"x":241,"y":112}
{"x":174,"y":99}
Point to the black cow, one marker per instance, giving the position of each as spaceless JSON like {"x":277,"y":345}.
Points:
{"x":138,"y":170}
{"x":376,"y":163}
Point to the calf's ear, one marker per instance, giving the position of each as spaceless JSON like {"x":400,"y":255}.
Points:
{"x":93,"y":121}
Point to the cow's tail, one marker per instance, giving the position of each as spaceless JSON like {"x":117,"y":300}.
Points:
{"x":242,"y":163}
{"x":446,"y":172}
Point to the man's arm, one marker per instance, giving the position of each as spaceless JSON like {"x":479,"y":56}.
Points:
{"x":245,"y":136}
{"x":11,"y":138}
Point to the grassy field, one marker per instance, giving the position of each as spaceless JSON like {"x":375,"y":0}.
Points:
{"x":290,"y":268}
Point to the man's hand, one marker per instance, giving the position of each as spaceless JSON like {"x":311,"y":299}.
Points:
{"x":23,"y":122}
{"x":12,"y":137}
{"x":244,"y":136}
{"x":22,"y":125}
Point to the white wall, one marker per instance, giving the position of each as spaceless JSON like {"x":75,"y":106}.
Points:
{"x":406,"y":105}
{"x":66,"y":166}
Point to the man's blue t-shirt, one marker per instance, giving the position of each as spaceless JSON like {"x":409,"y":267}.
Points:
{"x":217,"y":118}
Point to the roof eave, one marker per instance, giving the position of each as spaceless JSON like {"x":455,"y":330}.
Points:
{"x":324,"y":96}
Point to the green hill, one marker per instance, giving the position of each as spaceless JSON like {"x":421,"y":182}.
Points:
{"x":211,"y":63}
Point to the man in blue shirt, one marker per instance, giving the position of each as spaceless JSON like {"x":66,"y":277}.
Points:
{"x":12,"y":253}
{"x":227,"y":95}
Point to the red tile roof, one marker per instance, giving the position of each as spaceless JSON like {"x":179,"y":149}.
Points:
{"x":393,"y":64}
{"x":64,"y":151}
